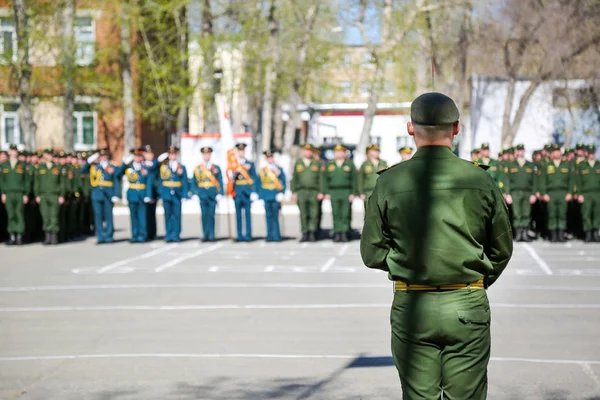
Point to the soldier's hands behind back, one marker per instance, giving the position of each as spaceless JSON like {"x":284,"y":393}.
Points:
{"x":3,"y":198}
{"x":61,"y":200}
{"x":25,"y":199}
{"x":569,"y":197}
{"x":546,"y":198}
{"x":38,"y":200}
{"x":532,"y":199}
{"x":580,"y":199}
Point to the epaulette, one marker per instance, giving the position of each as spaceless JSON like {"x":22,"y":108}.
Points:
{"x":385,"y":169}
{"x":485,"y":167}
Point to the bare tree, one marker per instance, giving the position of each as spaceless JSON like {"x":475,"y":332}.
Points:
{"x":270,"y":77}
{"x":128,"y":111}
{"x":539,"y":42}
{"x":68,"y":70}
{"x":23,"y":71}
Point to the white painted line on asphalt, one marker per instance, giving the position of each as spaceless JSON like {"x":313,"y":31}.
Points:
{"x":214,"y":268}
{"x":269,"y":268}
{"x":542,"y":264}
{"x":587,"y":369}
{"x":176,"y":261}
{"x":343,"y":250}
{"x":136,"y":258}
{"x":328,"y":264}
{"x":265,"y":307}
{"x":267,"y":356}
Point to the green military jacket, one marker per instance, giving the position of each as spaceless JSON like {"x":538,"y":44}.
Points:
{"x":367,"y":175}
{"x":521,"y":178}
{"x":68,"y":179}
{"x":558,"y":178}
{"x":496,"y":171}
{"x":588,"y":177}
{"x":30,"y":168}
{"x":74,"y":175}
{"x":306,"y":177}
{"x":15,"y":180}
{"x":49,"y":180}
{"x":85,"y":186}
{"x":436,"y":220}
{"x":335,"y":178}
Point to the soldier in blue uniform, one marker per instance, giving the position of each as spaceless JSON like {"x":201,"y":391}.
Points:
{"x":244,"y":181}
{"x":207,"y":184}
{"x":272,"y":188}
{"x":102,"y":179}
{"x":172,"y":188}
{"x":138,"y":194}
{"x":152,"y":182}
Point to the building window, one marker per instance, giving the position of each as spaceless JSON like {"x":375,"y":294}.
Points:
{"x":8,"y":40}
{"x":9,"y":125}
{"x":366,"y":59}
{"x":365,"y":89}
{"x":85,"y":38}
{"x":346,"y":88}
{"x":85,"y":130}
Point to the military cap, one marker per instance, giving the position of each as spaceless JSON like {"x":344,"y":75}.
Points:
{"x":554,"y":147}
{"x":148,"y":148}
{"x":373,"y":147}
{"x":340,"y":147}
{"x":269,"y":153}
{"x":83,"y":154}
{"x":547,"y":147}
{"x":591,"y":148}
{"x":520,"y":146}
{"x":104,"y":152}
{"x":38,"y":154}
{"x":13,"y":147}
{"x":405,"y":150}
{"x":475,"y":151}
{"x":579,"y":146}
{"x":568,"y":150}
{"x":434,"y":109}
{"x":137,"y":152}
{"x":307,"y":146}
{"x":485,"y":146}
{"x":206,"y":149}
{"x":48,"y":150}
{"x":315,"y":149}
{"x":241,"y":146}
{"x":172,"y":149}
{"x":62,"y":154}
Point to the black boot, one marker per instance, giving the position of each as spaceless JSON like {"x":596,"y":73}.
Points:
{"x":561,"y":236}
{"x":336,"y":237}
{"x":596,"y":236}
{"x":46,"y":238}
{"x":518,"y":234}
{"x":54,"y":238}
{"x":11,"y":240}
{"x":344,"y":237}
{"x":304,"y":238}
{"x":554,"y":236}
{"x":312,"y":237}
{"x":525,"y":235}
{"x":589,"y":237}
{"x":19,"y":240}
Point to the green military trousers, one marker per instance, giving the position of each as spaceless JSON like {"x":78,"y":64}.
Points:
{"x":521,"y":209}
{"x":341,"y":208}
{"x":557,"y":210}
{"x":49,"y":209}
{"x":73,"y":212}
{"x":441,"y":343}
{"x":15,"y":210}
{"x":309,"y":210}
{"x":590,"y":211}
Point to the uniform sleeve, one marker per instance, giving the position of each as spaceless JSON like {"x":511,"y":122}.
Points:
{"x":186,"y":183}
{"x":324,"y":181}
{"x":283,"y":180}
{"x":293,"y":181}
{"x":354,"y":178}
{"x":361,"y":180}
{"x":542,"y":180}
{"x":86,"y":168}
{"x":500,"y":239}
{"x":36,"y":183}
{"x":220,"y":180}
{"x":374,"y":245}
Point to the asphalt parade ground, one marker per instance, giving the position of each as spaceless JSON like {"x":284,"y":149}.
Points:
{"x":268,"y":320}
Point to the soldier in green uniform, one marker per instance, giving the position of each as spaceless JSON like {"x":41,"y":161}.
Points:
{"x":86,"y":214}
{"x":556,"y":188}
{"x":475,"y":155}
{"x":63,"y":213}
{"x":15,"y":183}
{"x":75,"y":204}
{"x":405,"y":153}
{"x":305,"y":186}
{"x":317,"y":157}
{"x":367,"y":174}
{"x":520,"y":175}
{"x":588,"y":194}
{"x":494,"y":169}
{"x":439,"y":226}
{"x":30,"y":208}
{"x":3,"y":216}
{"x":49,"y":189}
{"x":339,"y":184}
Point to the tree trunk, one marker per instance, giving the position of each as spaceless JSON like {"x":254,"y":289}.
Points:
{"x":270,"y":78}
{"x":463,"y":56}
{"x":69,"y":68}
{"x":210,"y":118}
{"x":128,"y":112}
{"x":277,"y":126}
{"x":23,"y":66}
{"x":511,"y":128}
{"x":505,"y":136}
{"x":182,"y":44}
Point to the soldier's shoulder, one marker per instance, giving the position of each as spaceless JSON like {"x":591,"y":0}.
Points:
{"x":477,"y":164}
{"x":389,"y":168}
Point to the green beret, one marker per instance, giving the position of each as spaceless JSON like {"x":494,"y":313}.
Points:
{"x":434,"y":109}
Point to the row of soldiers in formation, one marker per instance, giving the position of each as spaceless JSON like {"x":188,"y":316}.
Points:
{"x":556,"y":195}
{"x":74,"y":195}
